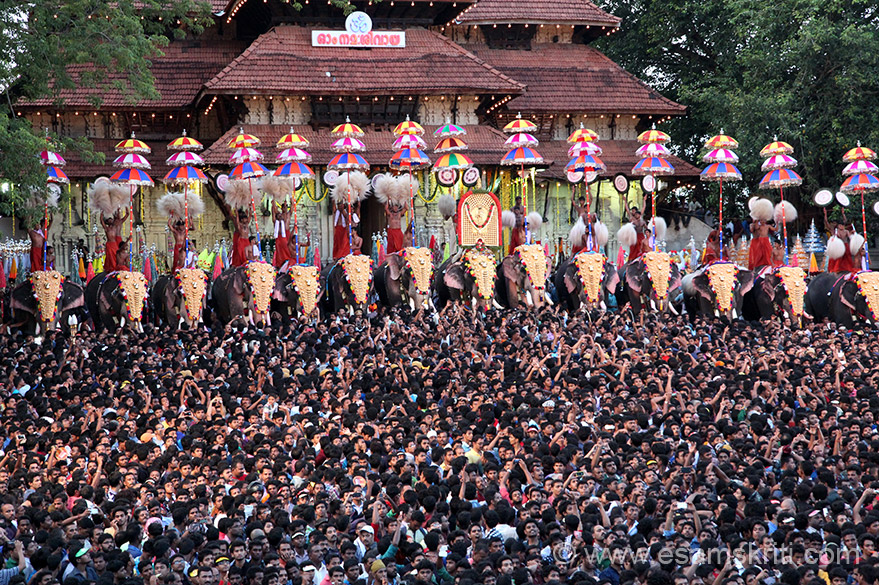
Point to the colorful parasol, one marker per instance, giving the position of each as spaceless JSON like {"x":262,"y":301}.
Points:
{"x":295,"y":170}
{"x":450,"y":144}
{"x":579,"y":148}
{"x":293,"y":154}
{"x":452,"y":160}
{"x":522,"y":156}
{"x":131,"y":161}
{"x":857,"y":167}
{"x":245,"y":154}
{"x":719,"y":172}
{"x":582,"y":134}
{"x":449,"y":129}
{"x":348,"y":144}
{"x":723,"y":155}
{"x":653,"y":166}
{"x":348,"y":129}
{"x":780,"y":178}
{"x":184,"y":158}
{"x":722,"y":141}
{"x":409,"y":128}
{"x":133,"y":145}
{"x":56,"y":175}
{"x":243,"y":140}
{"x":133,"y":177}
{"x":859,"y":153}
{"x":522,"y":139}
{"x":409,"y":141}
{"x":652,"y":149}
{"x":587,"y":164}
{"x":722,"y":168}
{"x":860,"y":182}
{"x":778,"y":161}
{"x":409,"y":159}
{"x":348,"y":161}
{"x":653,"y":136}
{"x":292,"y":140}
{"x":248,"y":170}
{"x":520,"y":125}
{"x":185,"y":143}
{"x":184,"y":175}
{"x":52,"y":159}
{"x":776,"y":147}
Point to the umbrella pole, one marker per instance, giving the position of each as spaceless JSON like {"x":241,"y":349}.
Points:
{"x":350,"y":216}
{"x":185,"y":224}
{"x":720,"y":222}
{"x":525,"y":205}
{"x":783,"y":224}
{"x":411,"y":209}
{"x":295,"y":226}
{"x":589,"y":240}
{"x":864,"y":221}
{"x":45,"y":234}
{"x":653,"y":212}
{"x":253,"y":218}
{"x":130,"y":227}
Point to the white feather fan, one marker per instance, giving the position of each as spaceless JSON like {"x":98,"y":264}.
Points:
{"x":661,"y":228}
{"x":106,"y":198}
{"x":358,"y":183}
{"x":406,"y":186}
{"x":447,"y":205}
{"x":278,"y":188}
{"x":535,"y":220}
{"x":170,"y":205}
{"x":835,"y":248}
{"x":762,"y":209}
{"x":578,"y":234}
{"x":383,"y":187}
{"x":790,"y":212}
{"x":239,"y":193}
{"x":601,"y":234}
{"x":627,"y":236}
{"x":508,"y":219}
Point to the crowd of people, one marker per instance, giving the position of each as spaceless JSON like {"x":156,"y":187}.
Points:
{"x":509,"y":449}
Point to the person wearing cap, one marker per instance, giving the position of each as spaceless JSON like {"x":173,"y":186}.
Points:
{"x":365,"y":540}
{"x":79,"y":568}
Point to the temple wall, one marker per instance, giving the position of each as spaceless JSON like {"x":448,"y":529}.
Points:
{"x":276,"y":110}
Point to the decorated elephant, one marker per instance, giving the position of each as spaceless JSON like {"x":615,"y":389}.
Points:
{"x":652,"y":280}
{"x":347,"y":284}
{"x":180,"y":298}
{"x":405,"y":278}
{"x":46,"y":300}
{"x":780,"y":291}
{"x":296,"y":292}
{"x":717,"y":289}
{"x":117,"y":300}
{"x":521,"y":277}
{"x":468,"y":276}
{"x":585,"y":281}
{"x":844,"y":299}
{"x":244,"y":292}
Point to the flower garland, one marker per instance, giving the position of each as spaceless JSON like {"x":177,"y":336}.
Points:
{"x":590,"y":268}
{"x":48,"y":289}
{"x":261,"y":279}
{"x":133,"y":287}
{"x":306,"y":283}
{"x":868,"y":285}
{"x":721,"y":279}
{"x":358,"y":273}
{"x":533,"y":258}
{"x":420,"y":262}
{"x":658,"y":265}
{"x":794,"y":281}
{"x":192,"y":284}
{"x":480,"y":264}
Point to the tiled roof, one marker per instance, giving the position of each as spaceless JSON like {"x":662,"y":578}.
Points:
{"x":536,"y":11}
{"x":618,"y":155}
{"x":76,"y":168}
{"x":283,"y":61}
{"x":575,"y":78}
{"x":486,"y":144}
{"x":179,"y":74}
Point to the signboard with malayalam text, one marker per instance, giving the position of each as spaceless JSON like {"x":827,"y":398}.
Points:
{"x":358,"y":33}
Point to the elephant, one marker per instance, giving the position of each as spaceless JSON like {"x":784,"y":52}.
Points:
{"x":244,"y":292}
{"x":717,"y":289}
{"x":579,"y":285}
{"x":468,"y":275}
{"x":347,"y":285}
{"x":639,"y":289}
{"x":180,"y":299}
{"x":297,"y":292}
{"x":117,"y":300}
{"x":844,"y":299}
{"x":45,"y":301}
{"x":522,"y":276}
{"x":405,"y":278}
{"x":776,"y":292}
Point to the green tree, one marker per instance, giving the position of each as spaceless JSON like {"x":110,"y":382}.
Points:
{"x":41,"y":39}
{"x":800,"y":69}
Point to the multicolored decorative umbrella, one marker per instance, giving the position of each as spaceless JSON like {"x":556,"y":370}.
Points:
{"x":578,"y":148}
{"x":778,"y":161}
{"x":185,"y":158}
{"x":779,"y":178}
{"x":348,"y":129}
{"x":348,"y":144}
{"x":522,"y":156}
{"x":449,"y":129}
{"x":185,"y":143}
{"x":653,"y":166}
{"x":520,"y":125}
{"x":719,"y":172}
{"x":248,"y":170}
{"x":521,"y":139}
{"x":723,"y":155}
{"x":293,"y":154}
{"x":184,"y":175}
{"x":776,"y":147}
{"x":242,"y":140}
{"x":409,"y":159}
{"x":857,"y":167}
{"x":587,"y":164}
{"x":245,"y":154}
{"x":52,"y":159}
{"x":722,"y":168}
{"x":859,"y":153}
{"x":56,"y":175}
{"x":131,"y":161}
{"x":132,"y":177}
{"x":582,"y":134}
{"x":408,"y":128}
{"x":409,"y":141}
{"x":295,"y":170}
{"x":133,"y":145}
{"x":860,"y":182}
{"x":292,"y":140}
{"x":450,"y":144}
{"x":722,"y":141}
{"x":452,"y":160}
{"x":653,"y":136}
{"x":348,"y":161}
{"x":652,"y":149}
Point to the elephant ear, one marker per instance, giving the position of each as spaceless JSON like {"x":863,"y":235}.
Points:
{"x":702,"y":286}
{"x":454,"y":276}
{"x":395,"y":266}
{"x":281,"y":283}
{"x":571,"y":278}
{"x":612,"y":278}
{"x":746,"y":281}
{"x":633,"y":277}
{"x":675,"y":280}
{"x":847,"y":294}
{"x":238,"y":283}
{"x":767,"y":285}
{"x":511,"y":271}
{"x":73,"y":297}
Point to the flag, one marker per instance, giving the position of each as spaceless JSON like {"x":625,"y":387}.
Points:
{"x":218,"y":266}
{"x":147,"y":269}
{"x":90,"y":273}
{"x":13,"y":271}
{"x":81,"y":268}
{"x":317,"y":256}
{"x":813,"y":264}
{"x":2,"y":276}
{"x":432,"y":245}
{"x":621,"y":258}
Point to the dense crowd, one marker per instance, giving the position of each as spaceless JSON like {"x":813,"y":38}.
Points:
{"x":507,"y":449}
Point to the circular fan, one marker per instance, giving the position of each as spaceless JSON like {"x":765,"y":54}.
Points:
{"x":470,"y":177}
{"x":222,"y":182}
{"x":447,"y":177}
{"x":648,"y":183}
{"x":823,"y":197}
{"x":330,"y":177}
{"x":843,"y":199}
{"x":621,"y":183}
{"x":575,"y":176}
{"x":55,"y":189}
{"x":876,"y":208}
{"x":591,"y":177}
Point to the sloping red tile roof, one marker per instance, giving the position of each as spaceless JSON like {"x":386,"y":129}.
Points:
{"x":76,"y":168}
{"x":536,"y":11}
{"x":575,"y":78}
{"x":179,"y":74}
{"x":486,"y":144}
{"x":618,"y":155}
{"x":283,"y":61}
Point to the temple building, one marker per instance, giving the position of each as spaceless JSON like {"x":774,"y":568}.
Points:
{"x":265,"y":66}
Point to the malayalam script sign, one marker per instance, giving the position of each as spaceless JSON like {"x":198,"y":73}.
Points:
{"x":358,"y":33}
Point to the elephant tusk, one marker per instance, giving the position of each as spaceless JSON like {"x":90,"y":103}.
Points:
{"x":671,"y":308}
{"x":548,"y":300}
{"x":602,"y":305}
{"x":735,"y":314}
{"x":496,"y":304}
{"x":122,"y":322}
{"x":652,"y":304}
{"x":411,"y":303}
{"x":716,"y":313}
{"x":351,"y":310}
{"x":528,"y":298}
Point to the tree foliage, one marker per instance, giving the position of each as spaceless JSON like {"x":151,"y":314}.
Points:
{"x":42,"y":39}
{"x":804,"y":70}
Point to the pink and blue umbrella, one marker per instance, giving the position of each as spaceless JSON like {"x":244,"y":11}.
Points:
{"x":409,"y":159}
{"x":522,"y":156}
{"x":721,"y":171}
{"x":294,"y":170}
{"x":348,"y":161}
{"x":52,"y":159}
{"x":184,"y":158}
{"x":184,"y":176}
{"x":248,"y":170}
{"x":862,"y":182}
{"x":56,"y":175}
{"x":780,"y":178}
{"x":653,"y":166}
{"x":587,"y":164}
{"x":132,"y":177}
